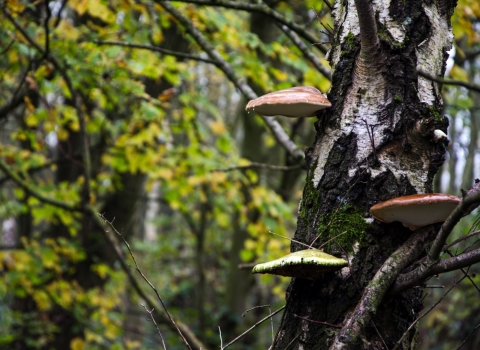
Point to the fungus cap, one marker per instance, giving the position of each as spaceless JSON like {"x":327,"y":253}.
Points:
{"x":308,"y":264}
{"x":300,"y":101}
{"x":417,"y":210}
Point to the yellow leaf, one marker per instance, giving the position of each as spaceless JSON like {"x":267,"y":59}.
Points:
{"x":62,"y":134}
{"x":67,"y":31}
{"x":217,"y":127}
{"x":15,"y":5}
{"x":458,"y":73}
{"x":42,"y":300}
{"x":29,"y":104}
{"x":77,"y":344}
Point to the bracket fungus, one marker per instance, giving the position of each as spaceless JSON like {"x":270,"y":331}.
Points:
{"x":300,"y":101}
{"x":416,"y":210}
{"x":308,"y":264}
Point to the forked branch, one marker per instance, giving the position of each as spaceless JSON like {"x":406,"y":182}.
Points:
{"x":373,"y":294}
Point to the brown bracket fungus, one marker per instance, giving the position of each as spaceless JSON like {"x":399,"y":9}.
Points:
{"x":417,"y":210}
{"x":300,"y":101}
{"x":308,"y":264}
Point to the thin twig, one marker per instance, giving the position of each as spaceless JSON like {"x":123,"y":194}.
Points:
{"x":465,"y":207}
{"x":306,"y":52}
{"x":331,"y":239}
{"x":328,"y":5}
{"x":260,"y":306}
{"x":254,"y":326}
{"x":321,"y":322}
{"x":73,"y":93}
{"x":280,"y":325}
{"x":109,"y":223}
{"x":468,"y":336}
{"x":465,"y":273}
{"x":112,"y":240}
{"x":383,"y":341}
{"x":221,"y":340}
{"x":377,"y":288}
{"x":422,"y":273}
{"x":253,"y":308}
{"x":350,"y":267}
{"x":47,"y":30}
{"x":271,"y":323}
{"x":254,"y":165}
{"x":426,"y":313}
{"x":155,"y":323}
{"x":246,"y":266}
{"x":33,"y":192}
{"x":293,"y":340}
{"x":59,"y":15}
{"x":156,"y":49}
{"x":448,"y":246}
{"x":259,"y":8}
{"x":274,"y":126}
{"x":444,"y":81}
{"x":291,"y":239}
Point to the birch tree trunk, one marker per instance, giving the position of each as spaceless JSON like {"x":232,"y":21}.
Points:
{"x":375,"y":143}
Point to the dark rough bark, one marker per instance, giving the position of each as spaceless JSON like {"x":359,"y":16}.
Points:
{"x":349,"y":171}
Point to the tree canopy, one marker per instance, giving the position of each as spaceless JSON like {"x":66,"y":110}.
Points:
{"x":125,"y":120}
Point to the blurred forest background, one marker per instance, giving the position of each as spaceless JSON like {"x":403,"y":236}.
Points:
{"x":134,"y":109}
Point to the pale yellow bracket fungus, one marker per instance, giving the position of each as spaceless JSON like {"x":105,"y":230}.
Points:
{"x":417,"y":210}
{"x":300,"y":101}
{"x":308,"y":264}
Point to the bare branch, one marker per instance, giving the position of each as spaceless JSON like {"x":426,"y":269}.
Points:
{"x":465,"y":273}
{"x":292,"y":240}
{"x":253,"y":327}
{"x":109,"y":223}
{"x":155,"y":323}
{"x":307,"y":52}
{"x":321,"y":322}
{"x":259,"y":8}
{"x":432,"y":265}
{"x":418,"y":276}
{"x":221,"y":340}
{"x":156,"y":49}
{"x":254,"y":308}
{"x":448,"y":246}
{"x":35,"y":193}
{"x":111,"y":239}
{"x":378,"y":287}
{"x":46,"y":55}
{"x":254,"y":165}
{"x":469,"y":202}
{"x":328,"y":4}
{"x":426,"y":313}
{"x":277,"y":130}
{"x":59,"y":14}
{"x":468,"y":336}
{"x":444,"y":81}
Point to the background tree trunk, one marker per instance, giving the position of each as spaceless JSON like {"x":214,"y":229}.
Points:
{"x":375,"y":143}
